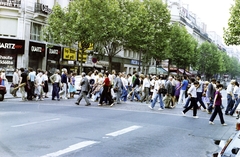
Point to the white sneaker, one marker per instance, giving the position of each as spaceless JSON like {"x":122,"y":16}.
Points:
{"x":150,"y":107}
{"x":224,"y":124}
{"x":160,"y":109}
{"x":196,"y":117}
{"x":183,"y":113}
{"x":210,"y":122}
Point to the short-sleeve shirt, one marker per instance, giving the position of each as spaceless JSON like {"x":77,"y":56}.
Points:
{"x":184,"y":85}
{"x":24,"y":77}
{"x":107,"y":82}
{"x":218,"y":101}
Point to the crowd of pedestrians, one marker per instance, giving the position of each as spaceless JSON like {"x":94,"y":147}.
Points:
{"x":116,"y":88}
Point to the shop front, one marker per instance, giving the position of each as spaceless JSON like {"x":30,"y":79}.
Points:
{"x":36,"y":55}
{"x":53,"y":57}
{"x":9,"y":50}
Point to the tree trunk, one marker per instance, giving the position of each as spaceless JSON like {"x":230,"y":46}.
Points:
{"x":169,"y":63}
{"x":139,"y":61}
{"x":110,"y":63}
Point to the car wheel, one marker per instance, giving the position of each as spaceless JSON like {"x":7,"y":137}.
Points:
{"x":1,"y":96}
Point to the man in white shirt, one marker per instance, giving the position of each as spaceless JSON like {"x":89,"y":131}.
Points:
{"x":56,"y":81}
{"x":145,"y":89}
{"x":156,"y":95}
{"x":15,"y":81}
{"x":192,"y":92}
{"x":200,"y":92}
{"x":230,"y":97}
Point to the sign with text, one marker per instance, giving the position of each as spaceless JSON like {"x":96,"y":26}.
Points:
{"x":11,"y":4}
{"x":54,"y":53}
{"x":37,"y":49}
{"x":42,"y":8}
{"x":69,"y":54}
{"x":12,"y":46}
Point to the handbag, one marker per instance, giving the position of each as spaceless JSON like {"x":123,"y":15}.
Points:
{"x":162,"y":91}
{"x":115,"y":89}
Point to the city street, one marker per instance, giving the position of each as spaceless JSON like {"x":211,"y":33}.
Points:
{"x":61,"y":128}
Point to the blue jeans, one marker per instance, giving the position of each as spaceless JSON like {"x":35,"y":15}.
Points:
{"x":199,"y":99}
{"x":210,"y":105}
{"x":124,"y":94}
{"x":135,"y":93}
{"x":187,"y":102}
{"x":229,"y":104}
{"x":55,"y":90}
{"x":235,"y":105}
{"x":155,"y":100}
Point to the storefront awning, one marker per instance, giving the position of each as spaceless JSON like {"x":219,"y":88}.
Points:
{"x":159,"y":70}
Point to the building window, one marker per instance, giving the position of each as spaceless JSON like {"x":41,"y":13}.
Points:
{"x":36,"y":32}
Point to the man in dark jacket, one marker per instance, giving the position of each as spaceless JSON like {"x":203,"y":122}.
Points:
{"x":211,"y":94}
{"x":168,"y":97}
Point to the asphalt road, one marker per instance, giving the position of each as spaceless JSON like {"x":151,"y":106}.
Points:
{"x":61,"y":128}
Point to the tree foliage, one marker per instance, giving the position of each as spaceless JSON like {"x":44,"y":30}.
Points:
{"x":182,"y":48}
{"x":147,"y":28}
{"x":232,"y":33}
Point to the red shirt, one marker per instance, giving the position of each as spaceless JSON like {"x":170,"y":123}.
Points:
{"x":106,"y":82}
{"x":218,"y":101}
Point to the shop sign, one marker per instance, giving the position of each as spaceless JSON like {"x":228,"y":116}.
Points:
{"x":42,"y":8}
{"x":12,"y":46}
{"x":54,"y":52}
{"x":10,"y":4}
{"x":69,"y":54}
{"x":103,"y":63}
{"x":7,"y":60}
{"x":135,"y":62}
{"x":37,"y":49}
{"x":45,"y":9}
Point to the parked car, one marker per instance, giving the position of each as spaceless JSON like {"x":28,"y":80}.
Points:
{"x":3,"y":91}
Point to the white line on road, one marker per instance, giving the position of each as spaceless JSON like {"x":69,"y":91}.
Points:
{"x":15,"y":126}
{"x":123,"y":131}
{"x":71,"y":148}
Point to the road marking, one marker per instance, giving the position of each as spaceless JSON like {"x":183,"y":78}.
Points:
{"x":71,"y":148}
{"x":26,"y":124}
{"x":123,"y":131}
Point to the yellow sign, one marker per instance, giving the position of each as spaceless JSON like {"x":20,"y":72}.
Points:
{"x":80,"y":56}
{"x":69,"y":54}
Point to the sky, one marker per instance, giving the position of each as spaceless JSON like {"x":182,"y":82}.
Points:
{"x":214,"y":13}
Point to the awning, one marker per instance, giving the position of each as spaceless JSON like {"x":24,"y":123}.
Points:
{"x":152,"y":70}
{"x":186,"y":72}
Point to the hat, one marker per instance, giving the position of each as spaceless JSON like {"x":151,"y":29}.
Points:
{"x":232,"y":81}
{"x":83,"y":74}
{"x":206,"y":82}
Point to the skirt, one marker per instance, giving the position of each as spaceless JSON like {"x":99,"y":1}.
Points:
{"x":72,"y":88}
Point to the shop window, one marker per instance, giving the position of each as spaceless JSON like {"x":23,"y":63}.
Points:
{"x":36,"y":32}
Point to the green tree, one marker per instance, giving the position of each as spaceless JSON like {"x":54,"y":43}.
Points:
{"x":209,"y":62}
{"x":147,"y":28}
{"x":234,"y":67}
{"x":107,"y":26}
{"x":69,"y":26}
{"x":232,"y":33}
{"x":182,"y":48}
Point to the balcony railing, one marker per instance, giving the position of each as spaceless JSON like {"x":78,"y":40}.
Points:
{"x":12,"y":3}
